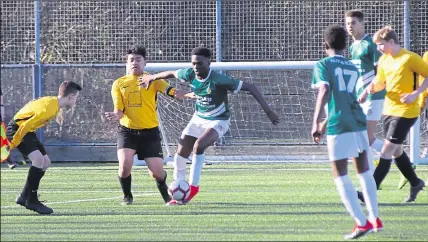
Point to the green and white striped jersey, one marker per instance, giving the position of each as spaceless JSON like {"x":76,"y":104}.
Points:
{"x":364,"y":55}
{"x":212,"y":102}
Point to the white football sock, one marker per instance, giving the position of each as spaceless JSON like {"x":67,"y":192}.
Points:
{"x":377,"y":145}
{"x":179,"y":167}
{"x":348,"y":194}
{"x":196,"y":169}
{"x":370,"y":160}
{"x":369,"y":190}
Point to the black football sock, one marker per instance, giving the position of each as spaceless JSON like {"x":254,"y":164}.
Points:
{"x":405,"y":166}
{"x":125,"y":183}
{"x":163,"y":189}
{"x":33,"y":180}
{"x":381,"y":171}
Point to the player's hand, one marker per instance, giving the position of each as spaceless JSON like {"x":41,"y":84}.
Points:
{"x":363,"y":97}
{"x":318,"y":130}
{"x":371,"y":88}
{"x":190,"y":95}
{"x":408,"y":98}
{"x":146,"y":80}
{"x":273,"y":117}
{"x":113,"y":116}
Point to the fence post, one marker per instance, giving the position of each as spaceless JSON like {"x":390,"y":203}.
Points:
{"x":37,"y":68}
{"x":415,"y":130}
{"x":218,"y":56}
{"x":218,"y":31}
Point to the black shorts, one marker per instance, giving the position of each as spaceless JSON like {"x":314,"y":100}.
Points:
{"x":29,"y":142}
{"x":145,"y":142}
{"x":397,"y":128}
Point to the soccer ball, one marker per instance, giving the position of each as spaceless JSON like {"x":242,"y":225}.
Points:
{"x":179,"y":190}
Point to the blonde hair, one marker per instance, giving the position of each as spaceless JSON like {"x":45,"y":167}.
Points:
{"x":386,"y":33}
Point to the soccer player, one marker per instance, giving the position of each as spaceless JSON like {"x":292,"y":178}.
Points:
{"x":397,"y":71}
{"x":138,"y":132}
{"x":364,"y":54}
{"x":422,"y":103}
{"x":212,"y":116}
{"x":335,"y":77}
{"x":21,"y":133}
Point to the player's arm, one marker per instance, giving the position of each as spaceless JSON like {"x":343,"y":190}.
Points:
{"x":118,"y":105}
{"x":320,"y":81}
{"x":23,"y":129}
{"x":245,"y":86}
{"x":163,"y":87}
{"x":146,"y":80}
{"x":421,"y":68}
{"x":318,"y":126}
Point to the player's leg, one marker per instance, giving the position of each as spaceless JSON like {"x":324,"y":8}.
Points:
{"x":198,"y":159}
{"x":190,"y":133}
{"x":339,"y":148}
{"x":214,"y":129}
{"x":184,"y":149}
{"x":150,"y":149}
{"x":35,"y":151}
{"x":155,"y":167}
{"x":11,"y":164}
{"x":125,"y":157}
{"x":374,"y":115}
{"x":126,"y":149}
{"x":398,"y":134}
{"x":29,"y":196}
{"x":388,"y":149}
{"x":367,"y":182}
{"x":403,"y":161}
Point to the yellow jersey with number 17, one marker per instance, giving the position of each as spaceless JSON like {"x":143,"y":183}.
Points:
{"x":399,"y":74}
{"x":137,"y":103}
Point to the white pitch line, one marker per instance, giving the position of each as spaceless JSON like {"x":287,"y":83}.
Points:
{"x":71,"y":191}
{"x":86,"y":200}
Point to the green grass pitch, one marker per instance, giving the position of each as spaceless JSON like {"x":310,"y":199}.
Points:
{"x":267,"y":202}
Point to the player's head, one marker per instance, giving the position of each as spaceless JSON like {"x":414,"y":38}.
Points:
{"x":354,"y":20}
{"x":69,"y":91}
{"x":335,"y":38}
{"x":201,"y":60}
{"x":136,"y":60}
{"x":386,"y":39}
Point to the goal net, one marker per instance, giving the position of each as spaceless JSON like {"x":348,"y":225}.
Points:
{"x":251,"y":137}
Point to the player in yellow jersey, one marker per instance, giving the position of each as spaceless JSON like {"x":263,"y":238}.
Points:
{"x":21,"y":134}
{"x":423,"y":104}
{"x":397,"y":72}
{"x":138,"y":132}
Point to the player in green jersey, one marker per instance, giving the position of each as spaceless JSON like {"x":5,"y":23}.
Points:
{"x":336,"y":77}
{"x":212,"y":115}
{"x":364,"y":54}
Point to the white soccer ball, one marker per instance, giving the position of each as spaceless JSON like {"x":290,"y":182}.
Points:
{"x":179,"y":190}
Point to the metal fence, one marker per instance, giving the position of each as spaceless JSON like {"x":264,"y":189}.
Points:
{"x":39,"y":37}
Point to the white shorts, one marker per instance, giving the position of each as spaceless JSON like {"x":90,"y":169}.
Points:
{"x":347,"y":145}
{"x":373,"y":109}
{"x":197,"y":126}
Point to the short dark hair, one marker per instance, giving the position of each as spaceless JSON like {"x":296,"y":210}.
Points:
{"x":355,"y":14}
{"x":202,"y":51}
{"x":335,"y":37}
{"x":68,"y":87}
{"x":138,"y":50}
